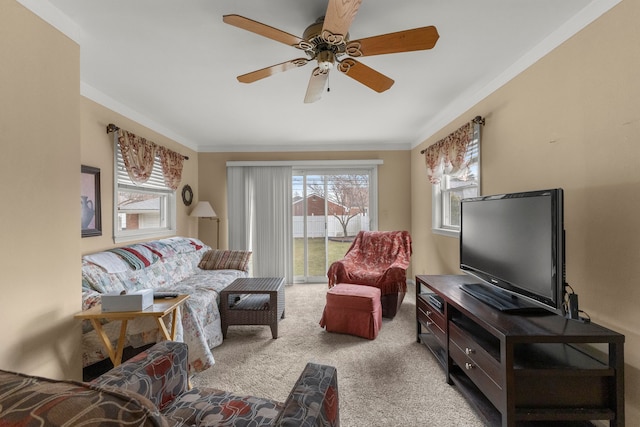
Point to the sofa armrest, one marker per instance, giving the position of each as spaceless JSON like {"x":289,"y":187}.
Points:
{"x":90,"y":298}
{"x":159,"y":373}
{"x":313,"y":401}
{"x":27,"y":400}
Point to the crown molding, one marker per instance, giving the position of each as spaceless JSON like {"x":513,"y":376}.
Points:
{"x":106,"y":101}
{"x":54,"y":17}
{"x":586,"y":16}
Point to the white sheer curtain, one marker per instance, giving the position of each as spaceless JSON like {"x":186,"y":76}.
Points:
{"x":259,"y":203}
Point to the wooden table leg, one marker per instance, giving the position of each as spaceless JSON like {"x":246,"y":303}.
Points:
{"x":175,"y":314}
{"x":174,"y":321}
{"x":163,"y":328}
{"x":114,"y":355}
{"x":121,"y":340}
{"x":105,"y":339}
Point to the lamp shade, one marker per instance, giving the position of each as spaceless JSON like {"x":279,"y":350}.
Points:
{"x":203,"y":210}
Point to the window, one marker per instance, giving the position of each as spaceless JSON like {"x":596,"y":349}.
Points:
{"x":452,"y":184}
{"x":142,"y":211}
{"x":330,"y":206}
{"x":258,"y":203}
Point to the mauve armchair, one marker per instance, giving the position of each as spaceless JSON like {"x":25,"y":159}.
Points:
{"x":379,"y":259}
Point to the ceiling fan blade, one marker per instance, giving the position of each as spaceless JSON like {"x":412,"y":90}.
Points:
{"x":317,"y":83}
{"x":262,"y":30}
{"x":403,"y":41}
{"x":338,"y":18}
{"x":365,"y":75}
{"x":274,"y":69}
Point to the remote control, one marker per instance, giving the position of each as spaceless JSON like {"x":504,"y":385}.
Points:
{"x":157,"y":295}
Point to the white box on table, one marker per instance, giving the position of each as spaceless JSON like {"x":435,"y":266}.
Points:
{"x":131,"y":301}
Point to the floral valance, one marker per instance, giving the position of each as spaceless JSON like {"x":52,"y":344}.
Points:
{"x":449,"y":155}
{"x":171,"y":167}
{"x":139,"y":156}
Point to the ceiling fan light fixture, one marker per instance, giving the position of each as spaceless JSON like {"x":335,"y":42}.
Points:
{"x":326,"y":59}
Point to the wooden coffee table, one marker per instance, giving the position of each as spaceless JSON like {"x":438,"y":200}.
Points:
{"x":159,"y":309}
{"x":262,"y":303}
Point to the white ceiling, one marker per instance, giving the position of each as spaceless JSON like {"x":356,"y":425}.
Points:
{"x":172,"y":65}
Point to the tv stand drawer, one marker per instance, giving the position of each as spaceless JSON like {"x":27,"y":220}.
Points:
{"x":432,"y":313}
{"x":433,"y":327}
{"x":475,"y":354}
{"x":475,"y":371}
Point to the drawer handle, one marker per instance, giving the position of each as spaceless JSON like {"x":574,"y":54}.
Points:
{"x":469,"y":351}
{"x":428,"y":313}
{"x":429,"y":323}
{"x":468,"y":366}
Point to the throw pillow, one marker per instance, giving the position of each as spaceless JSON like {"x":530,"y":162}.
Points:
{"x":215,"y":259}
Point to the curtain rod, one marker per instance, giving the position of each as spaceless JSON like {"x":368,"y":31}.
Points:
{"x":113,"y":128}
{"x":477,"y":119}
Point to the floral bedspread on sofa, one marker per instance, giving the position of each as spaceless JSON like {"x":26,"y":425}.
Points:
{"x":167,"y":265}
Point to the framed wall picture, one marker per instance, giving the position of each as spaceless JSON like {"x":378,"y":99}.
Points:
{"x":91,"y":217}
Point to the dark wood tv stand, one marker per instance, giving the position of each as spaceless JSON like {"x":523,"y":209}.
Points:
{"x":516,"y":369}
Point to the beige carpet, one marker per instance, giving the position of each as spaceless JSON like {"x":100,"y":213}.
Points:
{"x":390,"y":381}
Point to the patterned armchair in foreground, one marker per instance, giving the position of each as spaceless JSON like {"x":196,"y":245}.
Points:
{"x":379,"y":259}
{"x":151,"y":389}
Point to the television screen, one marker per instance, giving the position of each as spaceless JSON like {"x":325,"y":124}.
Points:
{"x":515,"y":242}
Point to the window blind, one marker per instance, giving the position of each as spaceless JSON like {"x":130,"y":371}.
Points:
{"x":155,"y":182}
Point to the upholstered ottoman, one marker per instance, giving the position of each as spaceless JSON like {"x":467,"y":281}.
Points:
{"x":354,"y":310}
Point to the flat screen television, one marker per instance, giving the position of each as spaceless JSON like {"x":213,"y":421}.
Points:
{"x":514,"y":244}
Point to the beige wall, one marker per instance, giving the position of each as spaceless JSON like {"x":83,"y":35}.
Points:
{"x":39,"y":217}
{"x":97,"y":151}
{"x":572,"y":120}
{"x":394,"y":181}
{"x":47,"y":131}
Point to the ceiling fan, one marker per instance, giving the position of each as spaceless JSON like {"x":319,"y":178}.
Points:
{"x":327,"y":42}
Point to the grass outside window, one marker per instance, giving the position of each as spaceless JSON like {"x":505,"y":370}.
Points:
{"x":316,"y":246}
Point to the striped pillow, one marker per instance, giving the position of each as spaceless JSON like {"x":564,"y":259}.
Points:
{"x":225,"y":260}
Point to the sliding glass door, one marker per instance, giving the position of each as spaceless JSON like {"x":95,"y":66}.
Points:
{"x":330,"y":206}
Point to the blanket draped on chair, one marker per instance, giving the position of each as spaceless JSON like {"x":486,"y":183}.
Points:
{"x":375,"y":258}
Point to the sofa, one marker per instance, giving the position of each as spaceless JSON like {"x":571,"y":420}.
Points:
{"x":151,"y":389}
{"x":178,"y":264}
